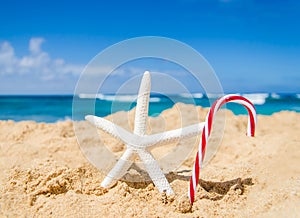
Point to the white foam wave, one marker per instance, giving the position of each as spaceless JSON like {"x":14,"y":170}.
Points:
{"x":125,"y":98}
{"x":155,"y":99}
{"x":214,"y":95}
{"x":198,"y":95}
{"x":275,"y":96}
{"x":121,"y":98}
{"x":92,"y":96}
{"x":298,"y":96}
{"x":191,"y":95}
{"x":257,"y":98}
{"x":185,"y":95}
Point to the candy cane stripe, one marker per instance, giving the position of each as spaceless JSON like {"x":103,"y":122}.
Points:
{"x":196,"y":173}
{"x":194,"y":180}
{"x":203,"y":140}
{"x":191,"y":192}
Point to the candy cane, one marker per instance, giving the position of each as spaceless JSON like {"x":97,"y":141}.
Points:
{"x":206,"y":133}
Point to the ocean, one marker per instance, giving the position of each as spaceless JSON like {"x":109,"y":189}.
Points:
{"x":52,"y":109}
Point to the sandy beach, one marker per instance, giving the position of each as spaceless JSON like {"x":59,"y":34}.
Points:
{"x":45,"y":174}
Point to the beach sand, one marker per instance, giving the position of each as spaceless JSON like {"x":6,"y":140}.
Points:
{"x":45,"y":174}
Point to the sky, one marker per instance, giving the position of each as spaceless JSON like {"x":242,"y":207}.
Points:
{"x":252,"y":45}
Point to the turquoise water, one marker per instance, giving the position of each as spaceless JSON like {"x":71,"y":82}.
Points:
{"x":58,"y":108}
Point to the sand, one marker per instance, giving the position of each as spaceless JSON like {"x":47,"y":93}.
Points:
{"x":45,"y":174}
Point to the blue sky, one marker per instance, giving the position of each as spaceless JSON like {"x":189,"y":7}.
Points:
{"x":253,"y":45}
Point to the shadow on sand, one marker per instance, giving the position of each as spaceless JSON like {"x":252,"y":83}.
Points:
{"x":209,"y":189}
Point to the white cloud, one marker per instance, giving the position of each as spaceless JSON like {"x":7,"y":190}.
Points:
{"x":37,"y":63}
{"x":37,"y":72}
{"x":35,"y":45}
{"x":7,"y":58}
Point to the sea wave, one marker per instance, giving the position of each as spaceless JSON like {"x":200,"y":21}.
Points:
{"x":275,"y":96}
{"x":87,"y":96}
{"x":198,"y":95}
{"x":213,"y":95}
{"x":257,"y":98}
{"x":125,"y":98}
{"x":155,"y":99}
{"x":191,"y":95}
{"x":120,"y":98}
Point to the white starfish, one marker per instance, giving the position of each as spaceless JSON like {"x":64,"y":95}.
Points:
{"x":138,"y":141}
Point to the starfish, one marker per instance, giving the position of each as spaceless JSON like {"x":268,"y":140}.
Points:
{"x":139,"y":141}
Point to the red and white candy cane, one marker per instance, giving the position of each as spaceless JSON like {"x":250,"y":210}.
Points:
{"x":207,"y":130}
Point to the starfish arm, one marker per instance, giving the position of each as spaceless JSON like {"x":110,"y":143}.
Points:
{"x":155,"y":173}
{"x":140,"y":126}
{"x":119,"y":170}
{"x":173,"y":135}
{"x":113,"y":129}
{"x":141,"y":112}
